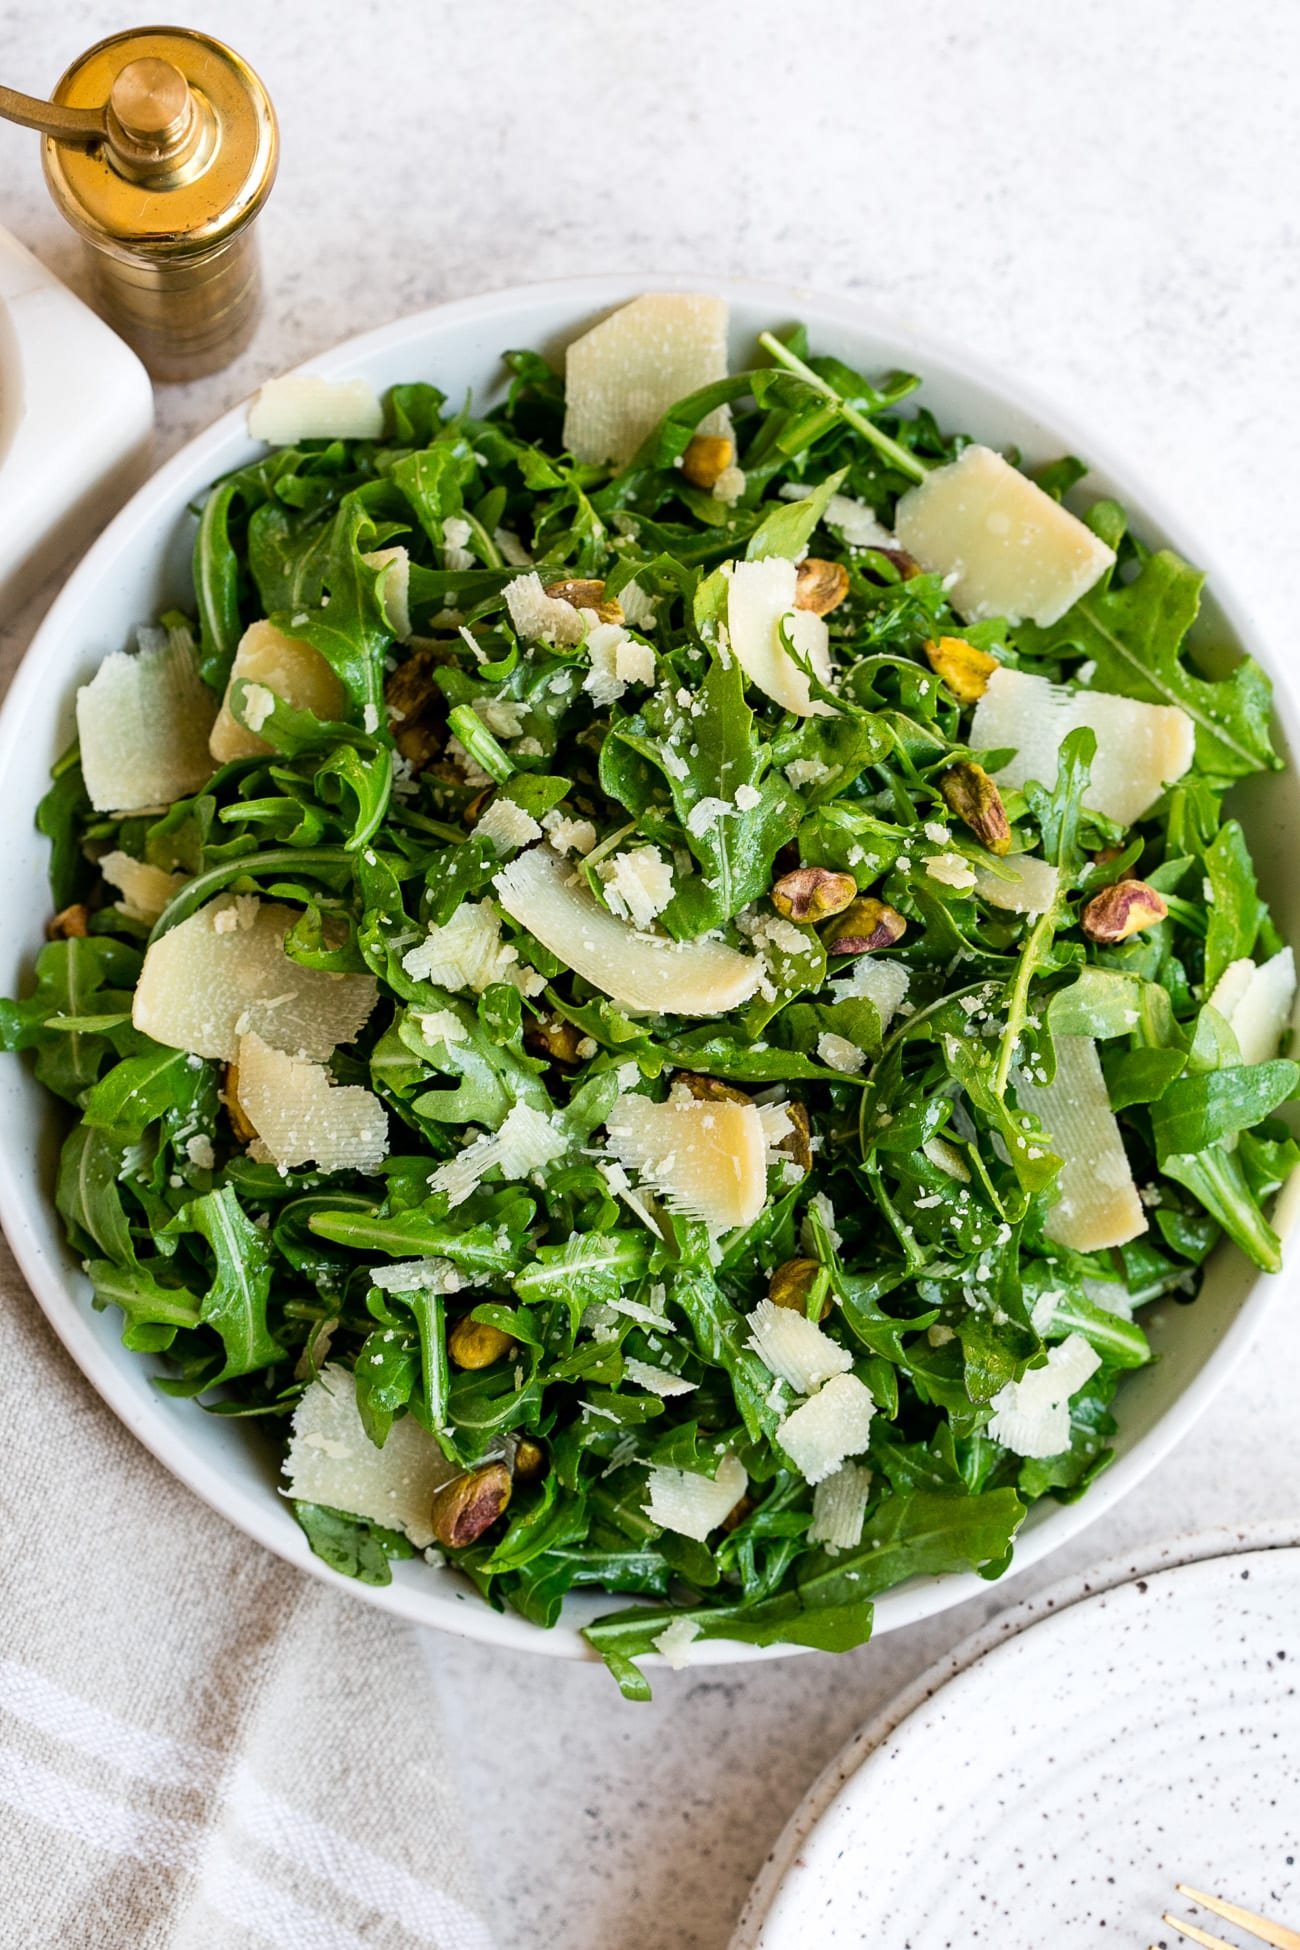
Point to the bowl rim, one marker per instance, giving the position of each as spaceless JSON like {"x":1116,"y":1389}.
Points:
{"x":158,"y":501}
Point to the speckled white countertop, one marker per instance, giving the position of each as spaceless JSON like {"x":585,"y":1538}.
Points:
{"x":1090,"y":193}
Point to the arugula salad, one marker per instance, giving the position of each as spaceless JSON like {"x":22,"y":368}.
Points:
{"x":655,"y":978}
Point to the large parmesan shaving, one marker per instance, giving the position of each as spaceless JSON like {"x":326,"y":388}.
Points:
{"x":223,"y":973}
{"x":706,"y":1160}
{"x":1024,"y":884}
{"x":302,"y":407}
{"x":1097,"y":1203}
{"x":839,"y":1506}
{"x":302,"y":1116}
{"x":694,"y":1505}
{"x":1004,"y":547}
{"x":642,"y":971}
{"x":145,"y":890}
{"x":1141,"y":748}
{"x":292,"y":670}
{"x":621,"y":377}
{"x":526,"y":1141}
{"x":760,"y":604}
{"x":1032,"y":1416}
{"x":332,"y":1460}
{"x":143,"y":725}
{"x":795,"y":1348}
{"x":394,"y":587}
{"x":675,"y":1641}
{"x":833,"y":1424}
{"x":1256,"y":1002}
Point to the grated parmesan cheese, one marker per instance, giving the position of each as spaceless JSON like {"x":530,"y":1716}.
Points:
{"x":303,"y":407}
{"x":1141,"y":748}
{"x":692,"y":978}
{"x":143,"y":724}
{"x":539,"y":617}
{"x":674,"y":1642}
{"x":839,"y":1507}
{"x":760,"y":604}
{"x":145,"y":890}
{"x":223,"y":973}
{"x":833,"y":1424}
{"x":508,"y":826}
{"x":1003,"y":546}
{"x":794,"y":1348}
{"x":693,"y":1505}
{"x":1032,"y":1416}
{"x":526,"y":1142}
{"x":657,"y":1380}
{"x":283,"y":667}
{"x":621,"y":377}
{"x":706,"y":1160}
{"x":302,"y":1116}
{"x":332,"y":1460}
{"x":1097,"y":1204}
{"x":638,"y":884}
{"x":467,"y":952}
{"x":883,"y":982}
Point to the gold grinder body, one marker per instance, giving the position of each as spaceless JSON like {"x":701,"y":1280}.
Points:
{"x":160,"y":149}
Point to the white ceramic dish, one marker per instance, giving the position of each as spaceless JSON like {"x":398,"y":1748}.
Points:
{"x":141,"y":565}
{"x":981,"y":1806}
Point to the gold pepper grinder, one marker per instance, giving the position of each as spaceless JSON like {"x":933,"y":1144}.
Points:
{"x":160,"y":150}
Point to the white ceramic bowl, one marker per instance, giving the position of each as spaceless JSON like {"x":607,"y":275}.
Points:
{"x":141,"y":565}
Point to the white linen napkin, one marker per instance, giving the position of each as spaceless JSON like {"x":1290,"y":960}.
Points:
{"x":200,"y":1748}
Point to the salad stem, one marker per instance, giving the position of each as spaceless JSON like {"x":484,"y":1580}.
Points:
{"x":889,"y":449}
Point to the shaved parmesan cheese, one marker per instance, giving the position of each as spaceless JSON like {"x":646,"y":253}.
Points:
{"x":1141,"y":748}
{"x":693,"y":1505}
{"x":143,"y":725}
{"x":1097,"y":1203}
{"x":883,"y":982}
{"x":641,"y":971}
{"x":951,"y":870}
{"x":503,"y":716}
{"x":291,"y":670}
{"x":1006,"y":547}
{"x":467,"y":952}
{"x":512,"y":551}
{"x":526,"y":1141}
{"x":539,"y":617}
{"x":302,"y":1116}
{"x":947,"y":1158}
{"x":332,"y":1460}
{"x":1032,"y":1416}
{"x":839,"y":1506}
{"x":302,"y":407}
{"x":832,"y":1424}
{"x":674,"y":1642}
{"x":223,"y":973}
{"x":1024,"y":884}
{"x":838,"y":1053}
{"x":621,"y":377}
{"x":706,"y":1160}
{"x":394,"y":587}
{"x":659,"y":1381}
{"x":508,"y":826}
{"x":639,"y":609}
{"x":795,"y":1348}
{"x":638,"y":885}
{"x":852,"y":519}
{"x":760,"y":604}
{"x":145,"y":890}
{"x":1257,"y":1003}
{"x":729,"y":486}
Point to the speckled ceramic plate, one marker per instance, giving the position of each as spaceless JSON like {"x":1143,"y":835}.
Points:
{"x":1050,"y":1785}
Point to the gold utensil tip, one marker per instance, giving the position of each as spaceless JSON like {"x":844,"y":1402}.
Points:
{"x":1257,"y":1926}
